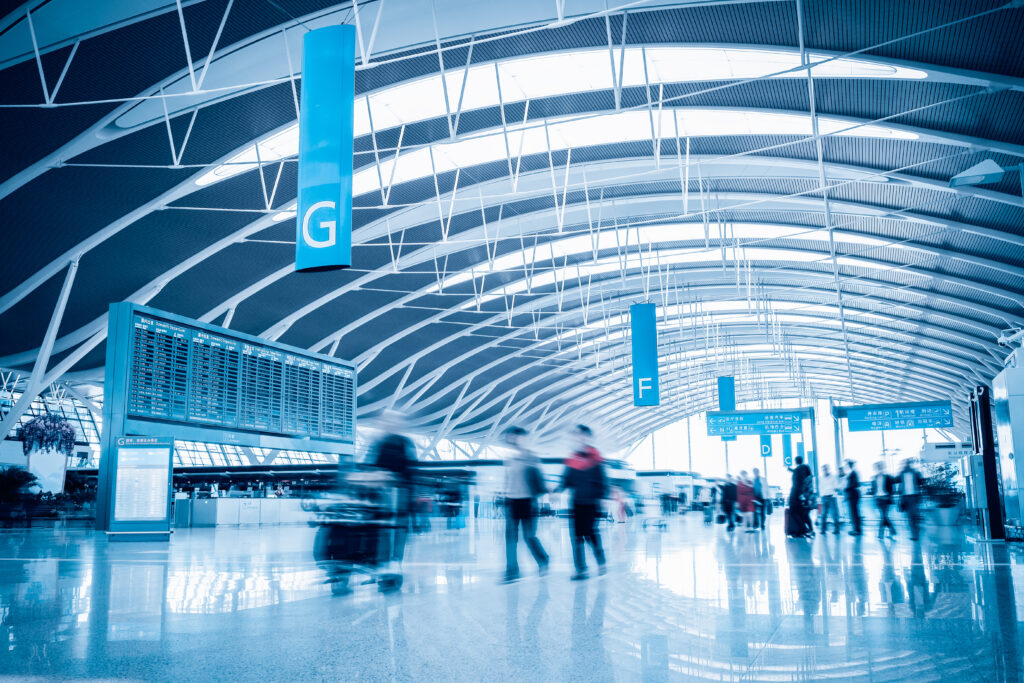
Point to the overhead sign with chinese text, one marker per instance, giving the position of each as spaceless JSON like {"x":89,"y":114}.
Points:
{"x":754,"y":422}
{"x":886,"y":416}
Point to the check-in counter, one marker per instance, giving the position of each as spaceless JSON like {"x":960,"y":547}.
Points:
{"x":246,"y":511}
{"x":215,"y":511}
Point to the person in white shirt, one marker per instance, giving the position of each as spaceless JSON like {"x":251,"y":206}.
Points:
{"x":829,"y":505}
{"x":910,"y":483}
{"x":882,"y":487}
{"x":523,"y":484}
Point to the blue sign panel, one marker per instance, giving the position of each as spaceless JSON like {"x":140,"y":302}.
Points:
{"x":324,"y":215}
{"x":787,"y":450}
{"x":754,"y":422}
{"x":766,"y":446}
{"x":727,"y":398}
{"x":885,"y":416}
{"x":643,"y":324}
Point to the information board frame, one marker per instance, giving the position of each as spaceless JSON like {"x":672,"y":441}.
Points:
{"x":116,"y":481}
{"x":879,"y":417}
{"x":171,"y":413}
{"x":746,"y":423}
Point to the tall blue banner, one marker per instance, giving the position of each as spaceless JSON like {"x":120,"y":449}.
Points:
{"x":727,"y":398}
{"x":643,"y":319}
{"x":323,"y":239}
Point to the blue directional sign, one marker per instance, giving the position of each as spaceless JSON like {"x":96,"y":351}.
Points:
{"x":886,"y":416}
{"x":754,"y":422}
{"x":727,"y":398}
{"x":766,"y":446}
{"x":643,"y":326}
{"x":324,"y":211}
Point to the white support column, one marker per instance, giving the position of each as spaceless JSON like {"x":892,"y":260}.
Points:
{"x":37,"y":378}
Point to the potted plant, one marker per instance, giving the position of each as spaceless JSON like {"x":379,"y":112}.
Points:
{"x":15,"y":495}
{"x":48,"y":440}
{"x":941,"y":487}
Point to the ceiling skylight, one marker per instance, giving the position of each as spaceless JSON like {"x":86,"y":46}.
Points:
{"x":629,"y":240}
{"x":562,"y":73}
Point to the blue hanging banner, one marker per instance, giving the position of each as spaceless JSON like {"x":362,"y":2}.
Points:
{"x":323,"y":237}
{"x":726,"y":398}
{"x":766,"y":446}
{"x":787,"y":450}
{"x":643,"y":324}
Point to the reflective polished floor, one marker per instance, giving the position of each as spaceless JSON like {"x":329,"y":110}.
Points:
{"x":686,"y":603}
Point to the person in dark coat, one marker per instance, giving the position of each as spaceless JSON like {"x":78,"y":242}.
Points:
{"x":797,"y":496}
{"x":883,"y":487}
{"x":853,"y":497}
{"x":911,"y":486}
{"x":730,"y":495}
{"x":584,"y":475}
{"x":397,"y":454}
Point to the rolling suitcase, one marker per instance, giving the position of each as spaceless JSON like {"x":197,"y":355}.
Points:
{"x":793,"y":527}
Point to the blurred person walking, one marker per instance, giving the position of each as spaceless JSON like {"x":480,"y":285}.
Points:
{"x":584,"y":475}
{"x":853,"y":497}
{"x":524,"y":483}
{"x":829,"y":486}
{"x":730,"y":494}
{"x":745,"y":499}
{"x":800,"y":493}
{"x":882,"y":488}
{"x":396,"y":453}
{"x":760,"y":502}
{"x":911,"y":486}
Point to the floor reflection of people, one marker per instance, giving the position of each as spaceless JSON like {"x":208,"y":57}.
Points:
{"x":919,"y":594}
{"x":589,"y":661}
{"x":523,"y":640}
{"x":856,"y":581}
{"x":889,"y":585}
{"x":807,"y":578}
{"x":729,"y":560}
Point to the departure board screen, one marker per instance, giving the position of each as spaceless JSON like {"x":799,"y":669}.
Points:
{"x":206,"y":377}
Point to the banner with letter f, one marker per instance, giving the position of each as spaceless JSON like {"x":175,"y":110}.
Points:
{"x":323,"y":236}
{"x":643,"y":326}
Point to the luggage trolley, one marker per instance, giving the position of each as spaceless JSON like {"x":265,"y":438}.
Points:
{"x":359,"y":523}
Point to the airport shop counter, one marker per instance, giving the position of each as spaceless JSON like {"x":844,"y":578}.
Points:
{"x":241,"y":511}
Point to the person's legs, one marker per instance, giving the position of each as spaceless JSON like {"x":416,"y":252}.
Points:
{"x":511,"y":539}
{"x":578,"y":556}
{"x":594,"y":536}
{"x":730,"y":517}
{"x":853,"y":501}
{"x":886,"y":523}
{"x":530,"y":534}
{"x":911,"y":504}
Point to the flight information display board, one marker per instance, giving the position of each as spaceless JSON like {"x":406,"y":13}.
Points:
{"x":754,"y":422}
{"x":200,"y":375}
{"x":143,"y":479}
{"x":885,"y":416}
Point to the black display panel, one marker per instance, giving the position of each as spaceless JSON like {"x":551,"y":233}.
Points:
{"x":206,"y":377}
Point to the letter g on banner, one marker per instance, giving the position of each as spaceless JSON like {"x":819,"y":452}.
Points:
{"x":330,"y":226}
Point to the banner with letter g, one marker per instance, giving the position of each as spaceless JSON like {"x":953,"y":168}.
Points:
{"x":323,"y":236}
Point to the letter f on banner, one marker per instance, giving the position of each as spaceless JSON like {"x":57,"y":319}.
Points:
{"x":323,"y":235}
{"x":643,"y":325}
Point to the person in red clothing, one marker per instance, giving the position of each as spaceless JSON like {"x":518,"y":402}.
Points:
{"x":584,"y":474}
{"x":745,"y":498}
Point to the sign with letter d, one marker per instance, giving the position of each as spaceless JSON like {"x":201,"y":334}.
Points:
{"x":323,"y":236}
{"x":643,"y":325}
